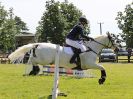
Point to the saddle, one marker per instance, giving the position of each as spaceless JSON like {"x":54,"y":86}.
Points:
{"x":75,"y":58}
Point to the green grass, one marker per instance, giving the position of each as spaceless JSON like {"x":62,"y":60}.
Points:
{"x":119,"y":84}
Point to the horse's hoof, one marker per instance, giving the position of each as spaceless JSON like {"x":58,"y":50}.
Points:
{"x":101,"y":81}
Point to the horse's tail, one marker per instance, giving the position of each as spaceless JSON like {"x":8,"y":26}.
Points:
{"x":18,"y":54}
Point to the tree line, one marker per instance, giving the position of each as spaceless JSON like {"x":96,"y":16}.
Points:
{"x":56,"y":21}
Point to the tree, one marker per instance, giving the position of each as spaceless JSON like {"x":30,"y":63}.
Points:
{"x":20,"y":25}
{"x":57,"y":21}
{"x":3,"y":15}
{"x":125,"y":23}
{"x":10,"y":25}
{"x":7,"y":31}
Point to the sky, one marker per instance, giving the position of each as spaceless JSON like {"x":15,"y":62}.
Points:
{"x":96,"y":11}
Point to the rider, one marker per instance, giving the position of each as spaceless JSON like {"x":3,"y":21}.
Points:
{"x":74,"y":37}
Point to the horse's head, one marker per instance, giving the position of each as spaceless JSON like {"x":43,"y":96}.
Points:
{"x":108,"y":41}
{"x":114,"y":41}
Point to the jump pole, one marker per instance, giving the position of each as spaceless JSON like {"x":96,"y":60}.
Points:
{"x":55,"y":90}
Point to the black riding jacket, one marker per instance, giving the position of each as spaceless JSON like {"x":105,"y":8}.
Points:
{"x":76,"y":33}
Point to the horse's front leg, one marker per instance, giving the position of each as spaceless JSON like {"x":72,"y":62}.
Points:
{"x":103,"y":72}
{"x":103,"y":77}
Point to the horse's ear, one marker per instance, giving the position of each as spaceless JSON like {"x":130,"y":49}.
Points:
{"x":108,"y":34}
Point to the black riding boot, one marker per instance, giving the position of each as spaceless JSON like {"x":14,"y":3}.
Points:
{"x":76,"y":59}
{"x":73,"y":59}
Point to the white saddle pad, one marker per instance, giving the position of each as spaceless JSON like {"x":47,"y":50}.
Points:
{"x":68,"y":50}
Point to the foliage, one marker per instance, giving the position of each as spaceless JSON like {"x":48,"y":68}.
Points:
{"x":10,"y":25}
{"x":125,"y":23}
{"x":20,"y":25}
{"x":57,"y":21}
{"x":119,"y":84}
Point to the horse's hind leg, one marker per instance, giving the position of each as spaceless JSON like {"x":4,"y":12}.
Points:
{"x":28,"y":69}
{"x":35,"y":70}
{"x":32,"y":70}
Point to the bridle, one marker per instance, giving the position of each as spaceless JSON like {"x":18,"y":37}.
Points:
{"x":107,"y":46}
{"x":110,"y":41}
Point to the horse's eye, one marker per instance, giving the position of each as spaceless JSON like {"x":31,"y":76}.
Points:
{"x":117,"y":41}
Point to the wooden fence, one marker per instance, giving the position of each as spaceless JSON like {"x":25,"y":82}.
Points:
{"x":128,"y":58}
{"x":4,"y":58}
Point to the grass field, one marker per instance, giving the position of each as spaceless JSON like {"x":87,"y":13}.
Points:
{"x":119,"y":84}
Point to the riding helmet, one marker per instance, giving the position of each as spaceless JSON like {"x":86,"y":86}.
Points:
{"x":83,"y":19}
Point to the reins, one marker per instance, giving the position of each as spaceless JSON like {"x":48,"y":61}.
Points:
{"x":104,"y":44}
{"x":107,"y":46}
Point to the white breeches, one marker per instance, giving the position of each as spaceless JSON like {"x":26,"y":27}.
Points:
{"x":76,"y":44}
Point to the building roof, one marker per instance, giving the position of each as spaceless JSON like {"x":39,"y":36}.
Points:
{"x":24,"y":34}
